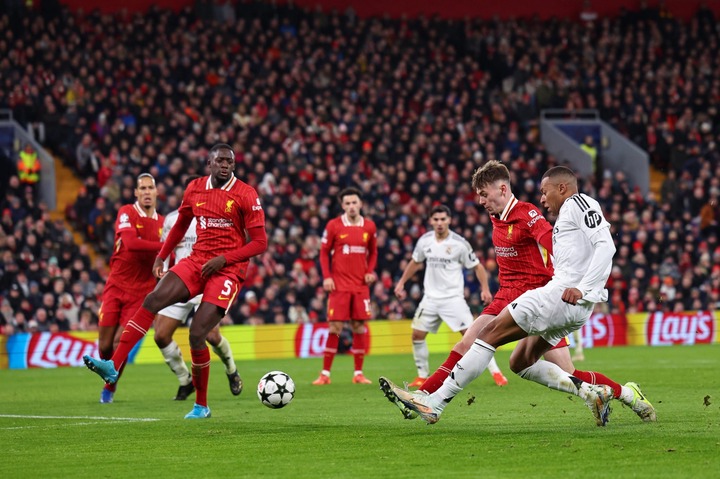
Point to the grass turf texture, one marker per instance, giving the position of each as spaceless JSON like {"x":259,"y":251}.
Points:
{"x":347,"y":430}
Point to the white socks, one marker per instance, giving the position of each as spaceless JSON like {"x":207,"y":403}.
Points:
{"x":421,"y":355}
{"x":173,"y":358}
{"x":551,"y":375}
{"x":224,"y":352}
{"x":471,"y":366}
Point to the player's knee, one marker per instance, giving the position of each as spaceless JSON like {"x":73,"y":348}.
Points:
{"x":213,"y":337}
{"x":197,"y":339}
{"x":162,"y":340}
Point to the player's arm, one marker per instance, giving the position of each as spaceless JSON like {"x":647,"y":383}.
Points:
{"x":593,"y":281}
{"x":482,"y":276}
{"x":130,"y":239}
{"x":596,"y":276}
{"x":176,"y":234}
{"x":370,"y":276}
{"x":410,"y":269}
{"x":541,"y":231}
{"x":257,"y":245}
{"x":326,"y":246}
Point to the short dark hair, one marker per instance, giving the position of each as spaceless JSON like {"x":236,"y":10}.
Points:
{"x":221,"y":146}
{"x":349,"y":191}
{"x":490,"y":172}
{"x":144,"y":175}
{"x":440,"y":209}
{"x":562,"y":173}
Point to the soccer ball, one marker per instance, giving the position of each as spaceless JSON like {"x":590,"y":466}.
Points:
{"x":276,"y":389}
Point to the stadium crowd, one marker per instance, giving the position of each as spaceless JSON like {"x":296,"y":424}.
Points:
{"x":405,"y":109}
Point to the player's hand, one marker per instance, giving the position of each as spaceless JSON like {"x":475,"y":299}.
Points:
{"x":399,"y":291}
{"x":486,"y":296}
{"x":213,"y":266}
{"x":329,"y":284}
{"x":572,"y":295}
{"x":158,"y":268}
{"x":370,"y":278}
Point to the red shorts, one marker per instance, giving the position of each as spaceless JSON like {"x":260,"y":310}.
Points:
{"x":344,"y":306}
{"x":119,"y":305}
{"x":219,"y":289}
{"x":504,"y":297}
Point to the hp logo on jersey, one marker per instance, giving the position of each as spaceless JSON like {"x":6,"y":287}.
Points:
{"x":592,"y":219}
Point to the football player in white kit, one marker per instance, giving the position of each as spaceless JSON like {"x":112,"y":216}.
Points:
{"x":582,"y":254}
{"x":445,"y":254}
{"x":168,"y":320}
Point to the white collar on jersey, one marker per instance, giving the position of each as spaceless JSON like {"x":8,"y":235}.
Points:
{"x":226,"y":186}
{"x":508,"y":208}
{"x":141,"y":211}
{"x":346,"y":221}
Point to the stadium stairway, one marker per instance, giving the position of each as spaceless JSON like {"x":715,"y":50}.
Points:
{"x":67,"y":185}
{"x":656,"y":180}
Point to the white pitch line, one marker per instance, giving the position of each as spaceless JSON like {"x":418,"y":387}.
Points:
{"x":64,"y":425}
{"x":92,"y":418}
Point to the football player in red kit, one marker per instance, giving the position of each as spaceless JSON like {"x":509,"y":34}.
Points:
{"x":348,"y":257}
{"x":230,"y":230}
{"x":137,"y":240}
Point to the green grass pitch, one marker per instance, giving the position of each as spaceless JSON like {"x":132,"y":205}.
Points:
{"x":51,"y":424}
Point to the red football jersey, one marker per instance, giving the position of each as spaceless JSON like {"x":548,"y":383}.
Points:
{"x":223,"y":216}
{"x":134,"y":268}
{"x":354,"y":253}
{"x":522,"y":262}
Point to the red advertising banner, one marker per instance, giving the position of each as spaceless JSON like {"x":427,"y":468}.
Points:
{"x":603,"y":330}
{"x":310,"y":339}
{"x":695,"y":327}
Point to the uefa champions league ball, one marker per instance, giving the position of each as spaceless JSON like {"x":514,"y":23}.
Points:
{"x":276,"y":389}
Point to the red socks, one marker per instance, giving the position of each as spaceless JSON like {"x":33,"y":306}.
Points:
{"x":593,"y":377}
{"x":134,"y":331}
{"x":358,"y":350}
{"x":330,"y":350}
{"x":200,"y":374}
{"x":434,"y":382}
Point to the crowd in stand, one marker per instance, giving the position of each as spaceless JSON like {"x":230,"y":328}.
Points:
{"x":404,"y":109}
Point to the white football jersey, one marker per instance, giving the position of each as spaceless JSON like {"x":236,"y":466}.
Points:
{"x":444,"y":262}
{"x":184,"y":247}
{"x":579,"y":226}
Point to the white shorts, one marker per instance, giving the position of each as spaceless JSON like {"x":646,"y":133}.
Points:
{"x":542,"y":312}
{"x":181,"y":311}
{"x":431,"y":312}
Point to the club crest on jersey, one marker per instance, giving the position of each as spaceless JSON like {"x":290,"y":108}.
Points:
{"x":509,"y":233}
{"x":228,"y":206}
{"x":448,"y":250}
{"x":365,"y":237}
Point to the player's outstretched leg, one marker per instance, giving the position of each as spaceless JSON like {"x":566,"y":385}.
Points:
{"x":420,"y":402}
{"x":640,"y":405}
{"x":597,"y":398}
{"x":103,"y":368}
{"x":387,"y":386}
